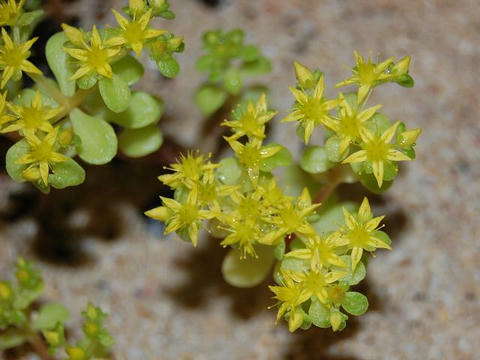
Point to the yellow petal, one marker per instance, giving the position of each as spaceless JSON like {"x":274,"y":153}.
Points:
{"x":358,"y":156}
{"x":357,"y":253}
{"x":378,"y":172}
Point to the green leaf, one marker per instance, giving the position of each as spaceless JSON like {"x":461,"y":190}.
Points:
{"x":353,"y":278}
{"x":248,"y":272}
{"x":27,"y":297}
{"x":49,"y":315}
{"x":28,"y":18}
{"x":60,"y":63}
{"x":140,"y":142}
{"x":257,"y":67}
{"x":143,"y":110}
{"x":210,"y":98}
{"x":294,"y":179}
{"x":87,"y":81}
{"x":332,"y":147}
{"x":15,"y":152}
{"x":378,"y":124}
{"x":281,"y":158}
{"x":315,"y":160}
{"x":128,"y":69}
{"x":65,"y":174}
{"x":168,"y":66}
{"x":12,"y":338}
{"x":319,"y":314}
{"x":331,"y":217}
{"x":98,"y":140}
{"x":279,"y":250}
{"x":383,"y":236}
{"x":233,"y":81}
{"x":229,"y":172}
{"x":355,"y":303}
{"x":405,"y":80}
{"x":115,"y":93}
{"x":294,"y":264}
{"x":369,"y":181}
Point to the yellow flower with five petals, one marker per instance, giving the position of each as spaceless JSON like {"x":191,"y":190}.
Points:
{"x":13,"y":59}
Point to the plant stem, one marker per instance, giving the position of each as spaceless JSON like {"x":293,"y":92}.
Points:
{"x":44,"y":84}
{"x":39,"y":346}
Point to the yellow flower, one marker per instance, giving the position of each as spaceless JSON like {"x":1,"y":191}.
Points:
{"x":33,"y":117}
{"x":311,"y":110}
{"x":377,"y":150}
{"x":5,"y":117}
{"x":10,"y":11}
{"x":351,"y":122}
{"x":321,"y":252}
{"x":76,"y":353}
{"x":92,"y":58}
{"x":245,"y":235}
{"x":252,"y":121}
{"x":40,"y":156}
{"x":367,"y":75}
{"x":315,"y":283}
{"x":251,"y":154}
{"x":360,"y":230}
{"x":189,"y":170}
{"x":13,"y":59}
{"x":289,"y":296}
{"x":292,"y":218}
{"x":136,"y":32}
{"x":186,"y":216}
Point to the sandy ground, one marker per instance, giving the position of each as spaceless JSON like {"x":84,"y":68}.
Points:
{"x":168,"y":301}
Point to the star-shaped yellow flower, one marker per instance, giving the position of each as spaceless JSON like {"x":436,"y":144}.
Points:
{"x":32,"y":118}
{"x":13,"y":59}
{"x":377,"y":150}
{"x":351,"y":122}
{"x":10,"y":11}
{"x":40,"y":156}
{"x":311,"y":110}
{"x":136,"y":32}
{"x":367,"y":75}
{"x":359,"y":231}
{"x":251,"y":122}
{"x":92,"y":58}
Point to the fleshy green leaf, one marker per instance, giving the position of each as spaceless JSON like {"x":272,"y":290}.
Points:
{"x":60,"y":63}
{"x":229,"y":172}
{"x":49,"y":315}
{"x":98,"y":140}
{"x":281,"y":158}
{"x":331,"y":217}
{"x":210,"y":98}
{"x":12,"y":338}
{"x":233,"y":81}
{"x":143,"y":110}
{"x":140,"y":142}
{"x":279,"y":250}
{"x":257,"y":67}
{"x":355,"y":303}
{"x":29,"y":18}
{"x":115,"y":93}
{"x":15,"y":152}
{"x":355,"y":277}
{"x":294,"y":179}
{"x":315,"y":160}
{"x":294,"y":264}
{"x":65,"y":174}
{"x":250,"y":271}
{"x":369,"y":181}
{"x":332,"y":147}
{"x":128,"y":69}
{"x":319,"y":315}
{"x":27,"y":297}
{"x":168,"y":66}
{"x":383,"y":236}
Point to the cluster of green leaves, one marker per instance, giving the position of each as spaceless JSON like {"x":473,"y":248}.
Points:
{"x":355,"y":134}
{"x":20,"y":322}
{"x":88,"y":109}
{"x":228,"y":62}
{"x":320,"y":253}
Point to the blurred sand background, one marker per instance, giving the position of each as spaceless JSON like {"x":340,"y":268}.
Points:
{"x":168,"y":301}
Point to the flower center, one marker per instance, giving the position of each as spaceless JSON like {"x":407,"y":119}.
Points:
{"x":377,"y":149}
{"x":32,"y":118}
{"x":133,"y":33}
{"x":359,"y":237}
{"x":15,"y":57}
{"x":366,"y":73}
{"x":313,"y":110}
{"x":97,"y":58}
{"x":42,"y":151}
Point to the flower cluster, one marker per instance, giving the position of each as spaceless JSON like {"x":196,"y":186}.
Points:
{"x":58,"y":119}
{"x":264,"y":214}
{"x":356,"y":134}
{"x":21,"y":323}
